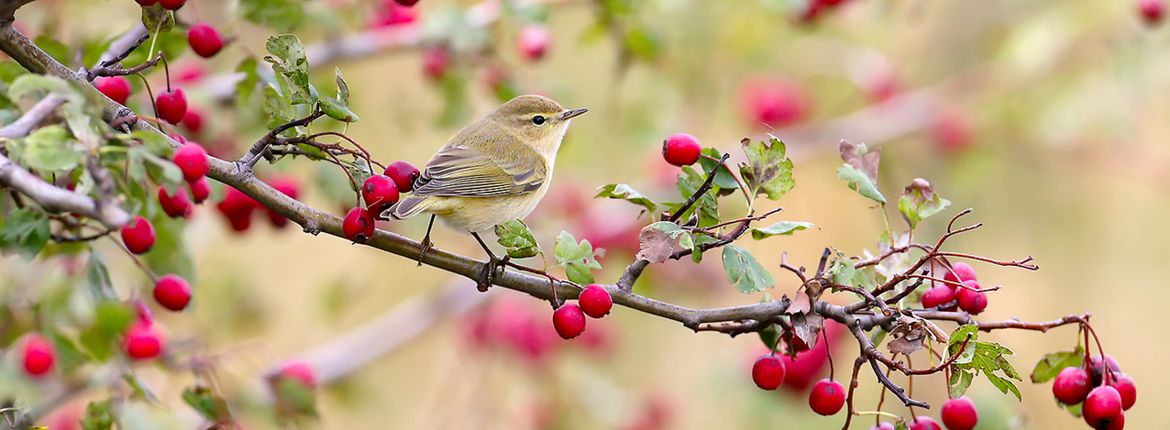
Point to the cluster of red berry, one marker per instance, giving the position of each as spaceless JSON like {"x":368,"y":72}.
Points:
{"x":569,"y":319}
{"x":379,"y":192}
{"x":1103,"y":392}
{"x":961,"y":291}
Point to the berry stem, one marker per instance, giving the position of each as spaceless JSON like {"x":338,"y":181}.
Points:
{"x":166,"y":71}
{"x":153,"y":106}
{"x":137,"y":262}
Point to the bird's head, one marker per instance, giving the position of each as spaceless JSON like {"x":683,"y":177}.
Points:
{"x":538,"y":120}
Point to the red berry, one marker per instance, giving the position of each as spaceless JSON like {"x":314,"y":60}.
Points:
{"x":146,"y":2}
{"x":240,"y":222}
{"x":681,"y":149}
{"x":569,"y":321}
{"x":533,"y":41}
{"x":1151,"y":10}
{"x":883,"y":426}
{"x":289,"y":187}
{"x":193,"y":121}
{"x":959,"y":414}
{"x":142,"y":342}
{"x":392,"y":14}
{"x":768,"y":371}
{"x":379,"y":192}
{"x":1125,"y":387}
{"x":937,"y":296}
{"x":595,"y":301}
{"x":407,"y":3}
{"x":1097,"y":368}
{"x":974,"y":302}
{"x":172,"y":4}
{"x":1071,"y":385}
{"x":38,"y":355}
{"x":301,"y":372}
{"x":171,"y":105}
{"x":952,"y":132}
{"x":204,"y":40}
{"x":358,"y":225}
{"x":189,"y":73}
{"x":200,"y":190}
{"x":117,"y":88}
{"x":436,"y":61}
{"x":793,"y":342}
{"x":827,"y":397}
{"x":775,"y":103}
{"x":235,"y":202}
{"x":959,"y":272}
{"x":924,"y":422}
{"x":138,"y":235}
{"x":192,"y":160}
{"x":172,"y":292}
{"x":1102,"y":407}
{"x":404,"y":175}
{"x":1117,"y":423}
{"x":176,"y":206}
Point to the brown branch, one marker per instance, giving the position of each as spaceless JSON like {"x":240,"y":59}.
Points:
{"x":703,"y":189}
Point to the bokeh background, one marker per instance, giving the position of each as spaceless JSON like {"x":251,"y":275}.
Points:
{"x":1047,"y":117}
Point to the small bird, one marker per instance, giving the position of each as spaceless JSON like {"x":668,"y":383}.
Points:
{"x":494,"y":170}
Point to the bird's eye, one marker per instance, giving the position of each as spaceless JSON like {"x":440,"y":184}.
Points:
{"x":538,"y":120}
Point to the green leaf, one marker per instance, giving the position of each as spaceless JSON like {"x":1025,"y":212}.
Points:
{"x":69,"y":356}
{"x":246,"y":87}
{"x":169,"y":254}
{"x":203,"y":400}
{"x":1003,"y":385}
{"x":98,"y":416}
{"x":785,"y":228}
{"x":860,"y":183}
{"x":59,"y":51}
{"x":277,"y":107}
{"x":576,"y":257}
{"x":50,"y":149}
{"x":744,"y":271}
{"x":517,"y":238}
{"x":10,"y":70}
{"x":98,"y":277}
{"x":24,"y":231}
{"x":919,"y":201}
{"x":700,"y":240}
{"x":110,"y":320}
{"x":770,"y":336}
{"x":171,"y":44}
{"x":1074,"y":410}
{"x":342,"y":87}
{"x":295,"y":397}
{"x":707,"y":206}
{"x":959,"y":382}
{"x":643,"y":44}
{"x":281,"y":15}
{"x":956,"y":340}
{"x":157,"y":18}
{"x":1052,"y":363}
{"x":723,"y":177}
{"x":768,"y":169}
{"x":291,"y":67}
{"x":629,"y":194}
{"x":337,"y":110}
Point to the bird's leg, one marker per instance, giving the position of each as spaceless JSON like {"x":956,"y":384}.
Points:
{"x":488,"y":276}
{"x":426,"y":242}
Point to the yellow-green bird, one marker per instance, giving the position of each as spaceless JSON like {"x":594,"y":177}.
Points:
{"x":495,"y":170}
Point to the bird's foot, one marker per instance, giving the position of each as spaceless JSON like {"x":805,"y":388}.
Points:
{"x":423,"y":249}
{"x":487,"y":276}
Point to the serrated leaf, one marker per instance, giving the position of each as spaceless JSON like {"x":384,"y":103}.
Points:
{"x":629,"y":194}
{"x":919,"y":201}
{"x":959,"y":382}
{"x":517,"y":238}
{"x":291,"y":67}
{"x":967,"y":354}
{"x":576,"y":257}
{"x":768,"y":169}
{"x":1052,"y":363}
{"x":859,"y":182}
{"x":24,"y":232}
{"x":783,"y":228}
{"x":1003,"y":385}
{"x":277,"y":107}
{"x":337,"y":110}
{"x":744,"y":271}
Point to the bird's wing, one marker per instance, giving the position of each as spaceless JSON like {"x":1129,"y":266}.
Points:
{"x":478,"y":164}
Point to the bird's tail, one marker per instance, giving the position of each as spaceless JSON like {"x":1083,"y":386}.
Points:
{"x":407,"y":207}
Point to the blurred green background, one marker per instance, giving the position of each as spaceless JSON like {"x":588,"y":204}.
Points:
{"x":1062,"y":116}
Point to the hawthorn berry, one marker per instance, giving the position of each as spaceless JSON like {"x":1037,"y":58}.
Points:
{"x":138,"y":235}
{"x":937,"y":296}
{"x":533,"y":41}
{"x":827,"y":397}
{"x":142,"y":342}
{"x":172,"y":4}
{"x":404,"y":175}
{"x":117,"y":88}
{"x":974,"y":302}
{"x":37,"y":356}
{"x":959,"y":414}
{"x":204,"y":40}
{"x":1071,"y":385}
{"x":379,"y":192}
{"x":358,"y":225}
{"x":1125,"y":387}
{"x":392,"y":14}
{"x":681,"y":149}
{"x":146,"y":2}
{"x":289,"y":187}
{"x":959,"y":272}
{"x":172,"y":292}
{"x":299,"y":371}
{"x":192,"y":161}
{"x":200,"y":190}
{"x":595,"y":301}
{"x":774,"y":103}
{"x":175,"y":206}
{"x":189,"y":73}
{"x":1151,"y":11}
{"x":1097,"y":368}
{"x":952,"y":132}
{"x":1102,"y":407}
{"x":171,"y":105}
{"x":436,"y":61}
{"x":193,"y":120}
{"x":407,"y":3}
{"x":569,"y":321}
{"x":923,"y":422}
{"x":768,"y":371}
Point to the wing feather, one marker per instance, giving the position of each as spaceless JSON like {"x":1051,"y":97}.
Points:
{"x":482,"y":160}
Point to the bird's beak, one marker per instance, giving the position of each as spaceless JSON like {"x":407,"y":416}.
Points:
{"x":572,"y":113}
